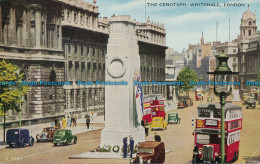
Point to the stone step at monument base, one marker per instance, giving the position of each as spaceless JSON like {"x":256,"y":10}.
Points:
{"x":104,"y":155}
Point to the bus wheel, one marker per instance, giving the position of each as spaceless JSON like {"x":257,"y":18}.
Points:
{"x":237,"y":155}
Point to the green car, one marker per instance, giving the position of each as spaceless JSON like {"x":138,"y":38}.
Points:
{"x":63,"y":136}
{"x":173,"y":118}
{"x":250,"y":103}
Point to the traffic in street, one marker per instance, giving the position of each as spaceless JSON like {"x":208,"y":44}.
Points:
{"x":178,"y":139}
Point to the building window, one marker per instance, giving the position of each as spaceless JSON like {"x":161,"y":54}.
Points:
{"x":81,"y":19}
{"x":234,"y":59}
{"x":82,"y":51}
{"x":75,"y":17}
{"x":76,"y":49}
{"x":249,"y":33}
{"x":68,"y":15}
{"x":234,"y":51}
{"x":62,"y":14}
{"x":87,"y":21}
{"x":249,"y":23}
{"x":87,"y":51}
{"x":94,"y":51}
{"x":93,"y":22}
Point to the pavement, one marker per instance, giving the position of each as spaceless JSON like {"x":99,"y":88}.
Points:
{"x":37,"y":129}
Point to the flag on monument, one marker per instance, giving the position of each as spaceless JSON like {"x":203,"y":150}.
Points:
{"x":139,"y":100}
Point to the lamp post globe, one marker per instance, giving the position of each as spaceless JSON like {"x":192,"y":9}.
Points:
{"x":222,"y":89}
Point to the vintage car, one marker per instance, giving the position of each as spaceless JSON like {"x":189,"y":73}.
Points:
{"x":158,"y":123}
{"x":64,"y":136}
{"x":150,"y":152}
{"x":250,"y":103}
{"x":245,"y":96}
{"x":173,"y":118}
{"x":46,"y":135}
{"x":185,"y":102}
{"x":19,"y":137}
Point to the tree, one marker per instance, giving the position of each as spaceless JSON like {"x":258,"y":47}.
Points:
{"x":187,"y":75}
{"x":10,"y":90}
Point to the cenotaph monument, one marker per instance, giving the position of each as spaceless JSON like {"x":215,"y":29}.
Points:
{"x":122,"y":60}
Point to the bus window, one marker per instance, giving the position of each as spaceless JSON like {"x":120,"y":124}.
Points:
{"x":217,"y":113}
{"x":204,"y":113}
{"x":203,"y":139}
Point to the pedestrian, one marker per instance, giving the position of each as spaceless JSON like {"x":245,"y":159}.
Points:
{"x":157,"y":138}
{"x":72,"y":120}
{"x":125,"y":147}
{"x":58,"y":124}
{"x":69,"y":120}
{"x":75,"y":120}
{"x":64,"y":122}
{"x":87,"y":120}
{"x":131,"y":146}
{"x":52,"y":124}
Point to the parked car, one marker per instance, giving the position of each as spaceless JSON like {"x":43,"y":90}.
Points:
{"x":64,"y":136}
{"x":251,"y":102}
{"x":19,"y":137}
{"x":158,"y":123}
{"x":150,"y":152}
{"x":173,"y":118}
{"x":185,"y":102}
{"x":46,"y":135}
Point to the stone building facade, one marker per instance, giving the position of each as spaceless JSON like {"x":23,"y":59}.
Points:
{"x":30,"y":36}
{"x":248,"y":50}
{"x":152,"y":46}
{"x":65,"y":40}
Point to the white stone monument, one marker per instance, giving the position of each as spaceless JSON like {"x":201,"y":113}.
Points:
{"x":122,"y":60}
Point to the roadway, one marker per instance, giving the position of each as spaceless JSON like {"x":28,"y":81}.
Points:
{"x":178,"y":138}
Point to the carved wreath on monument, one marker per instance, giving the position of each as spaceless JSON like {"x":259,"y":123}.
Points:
{"x":116,"y":67}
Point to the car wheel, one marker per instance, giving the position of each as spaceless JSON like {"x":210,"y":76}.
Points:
{"x":31,"y":142}
{"x":66,"y":143}
{"x":23,"y":144}
{"x":55,"y":144}
{"x":75,"y":141}
{"x":10,"y":145}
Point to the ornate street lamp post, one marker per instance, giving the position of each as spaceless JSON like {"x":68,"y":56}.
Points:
{"x":222,"y":76}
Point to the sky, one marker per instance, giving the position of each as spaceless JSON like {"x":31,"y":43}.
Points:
{"x":184,"y":24}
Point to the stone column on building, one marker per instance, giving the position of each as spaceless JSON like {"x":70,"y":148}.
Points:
{"x":12,"y":27}
{"x":38,"y":28}
{"x":122,"y":60}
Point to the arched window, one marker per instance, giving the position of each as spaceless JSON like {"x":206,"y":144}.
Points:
{"x":249,"y":33}
{"x":249,"y":23}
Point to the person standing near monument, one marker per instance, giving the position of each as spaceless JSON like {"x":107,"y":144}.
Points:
{"x":125,"y":147}
{"x":131,"y":140}
{"x":87,"y":120}
{"x":75,"y":120}
{"x":64,"y":122}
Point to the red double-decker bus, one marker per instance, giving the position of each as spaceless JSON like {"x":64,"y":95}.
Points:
{"x":157,"y":105}
{"x":207,"y":146}
{"x":147,"y":115}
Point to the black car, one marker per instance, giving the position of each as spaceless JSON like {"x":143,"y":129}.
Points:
{"x":19,"y":137}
